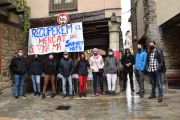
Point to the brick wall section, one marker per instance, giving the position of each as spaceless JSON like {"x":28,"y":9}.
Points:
{"x":11,"y":41}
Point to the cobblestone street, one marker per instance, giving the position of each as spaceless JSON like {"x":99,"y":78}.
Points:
{"x":127,"y":105}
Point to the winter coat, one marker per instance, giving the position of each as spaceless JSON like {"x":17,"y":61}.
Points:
{"x":46,"y":65}
{"x":128,"y":59}
{"x":160,"y":58}
{"x":111,"y":65}
{"x":81,"y":67}
{"x":66,"y":67}
{"x":140,"y":63}
{"x":35,"y":67}
{"x":18,"y":65}
{"x":96,"y":64}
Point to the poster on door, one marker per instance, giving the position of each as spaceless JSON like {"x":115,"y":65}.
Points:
{"x":56,"y":39}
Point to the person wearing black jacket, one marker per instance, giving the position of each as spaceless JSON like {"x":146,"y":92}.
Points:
{"x":19,"y":66}
{"x":50,"y":67}
{"x":128,"y":61}
{"x":155,"y":65}
{"x":66,"y":68}
{"x":81,"y":68}
{"x":35,"y":68}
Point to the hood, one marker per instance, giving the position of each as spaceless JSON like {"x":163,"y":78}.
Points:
{"x":112,"y":51}
{"x":143,"y":50}
{"x":34,"y":59}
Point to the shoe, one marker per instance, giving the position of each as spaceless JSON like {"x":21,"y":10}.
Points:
{"x":43,"y":95}
{"x":16,"y":97}
{"x":151,"y":97}
{"x":22,"y":96}
{"x":97,"y":94}
{"x":138,"y":93}
{"x":84,"y":94}
{"x":113,"y":93}
{"x":109,"y":93}
{"x":53,"y":95}
{"x":132,"y":90}
{"x":123,"y":89}
{"x":80,"y":95}
{"x":35,"y":93}
{"x":141,"y":95}
{"x":160,"y":99}
{"x":63,"y":96}
{"x":39,"y":94}
{"x":71,"y":96}
{"x":103,"y":93}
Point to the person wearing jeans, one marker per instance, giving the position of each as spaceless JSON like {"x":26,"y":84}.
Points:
{"x":96,"y":63}
{"x":111,"y":68}
{"x":155,"y":65}
{"x":18,"y":66}
{"x":81,"y":68}
{"x":35,"y":68}
{"x":140,"y":67}
{"x":66,"y":68}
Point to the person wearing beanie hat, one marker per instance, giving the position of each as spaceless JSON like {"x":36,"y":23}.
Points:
{"x":50,"y":67}
{"x":66,"y":68}
{"x":110,"y":69}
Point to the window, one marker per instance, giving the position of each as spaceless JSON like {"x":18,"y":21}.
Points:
{"x":62,"y":5}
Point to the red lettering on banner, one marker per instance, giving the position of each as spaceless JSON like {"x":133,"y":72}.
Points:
{"x":73,"y":36}
{"x":45,"y":48}
{"x":64,"y":37}
{"x":59,"y":38}
{"x":58,"y":46}
{"x":44,"y":41}
{"x":53,"y":39}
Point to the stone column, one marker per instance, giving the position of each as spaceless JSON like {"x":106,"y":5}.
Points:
{"x":114,"y":29}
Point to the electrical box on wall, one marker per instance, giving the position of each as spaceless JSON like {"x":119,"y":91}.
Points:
{"x":13,"y":18}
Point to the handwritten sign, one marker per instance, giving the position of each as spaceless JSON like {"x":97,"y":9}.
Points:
{"x":56,"y":39}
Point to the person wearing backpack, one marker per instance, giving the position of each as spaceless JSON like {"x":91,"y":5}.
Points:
{"x":155,"y":65}
{"x":81,"y":68}
{"x":35,"y":68}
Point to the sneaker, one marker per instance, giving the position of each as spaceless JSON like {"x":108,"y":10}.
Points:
{"x":97,"y":94}
{"x":109,"y":93}
{"x":141,"y":95}
{"x":84,"y":94}
{"x":123,"y":89}
{"x":63,"y":96}
{"x":16,"y":97}
{"x":151,"y":97}
{"x":35,"y":93}
{"x":138,"y":93}
{"x":22,"y":96}
{"x":71,"y":96}
{"x":103,"y":93}
{"x":53,"y":95}
{"x":132,"y":90}
{"x":160,"y":99}
{"x":43,"y":95}
{"x":39,"y":94}
{"x":80,"y":95}
{"x":113,"y":93}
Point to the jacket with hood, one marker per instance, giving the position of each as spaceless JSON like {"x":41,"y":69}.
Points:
{"x":81,"y":67}
{"x":18,"y":65}
{"x":96,"y":63}
{"x":111,"y":65}
{"x":66,"y":67}
{"x":35,"y":67}
{"x":53,"y":63}
{"x":128,"y":59}
{"x":140,"y":63}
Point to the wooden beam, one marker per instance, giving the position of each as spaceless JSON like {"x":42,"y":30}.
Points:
{"x":12,"y":10}
{"x":89,"y":28}
{"x":5,"y":4}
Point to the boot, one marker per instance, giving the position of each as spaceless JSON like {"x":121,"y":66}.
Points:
{"x":80,"y":95}
{"x":109,"y":93}
{"x":35,"y":93}
{"x":53,"y":95}
{"x":84,"y":94}
{"x":39,"y":93}
{"x":43,"y":95}
{"x":113,"y":93}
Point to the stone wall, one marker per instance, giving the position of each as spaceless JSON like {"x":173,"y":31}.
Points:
{"x":11,"y":41}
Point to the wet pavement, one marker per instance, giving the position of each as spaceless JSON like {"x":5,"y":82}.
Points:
{"x":126,"y":105}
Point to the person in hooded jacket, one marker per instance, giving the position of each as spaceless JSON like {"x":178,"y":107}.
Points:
{"x":128,"y":61}
{"x":50,"y":67}
{"x":140,"y":67}
{"x":66,"y":68}
{"x":35,"y":68}
{"x":81,"y":68}
{"x":111,"y":67}
{"x":19,"y":67}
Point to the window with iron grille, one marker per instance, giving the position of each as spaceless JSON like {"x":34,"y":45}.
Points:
{"x":63,"y":5}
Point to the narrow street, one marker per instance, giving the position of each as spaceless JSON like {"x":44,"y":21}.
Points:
{"x":127,"y":105}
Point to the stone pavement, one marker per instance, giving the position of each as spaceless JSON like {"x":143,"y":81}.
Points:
{"x":126,"y":105}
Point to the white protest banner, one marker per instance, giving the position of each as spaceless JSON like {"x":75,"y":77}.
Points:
{"x":56,"y":39}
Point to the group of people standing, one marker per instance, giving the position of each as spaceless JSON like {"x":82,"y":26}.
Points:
{"x":66,"y":67}
{"x":152,"y":62}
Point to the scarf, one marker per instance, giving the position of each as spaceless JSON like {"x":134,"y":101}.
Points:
{"x":96,"y":57}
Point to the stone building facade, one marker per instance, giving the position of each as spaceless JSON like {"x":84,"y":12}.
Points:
{"x":11,"y":39}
